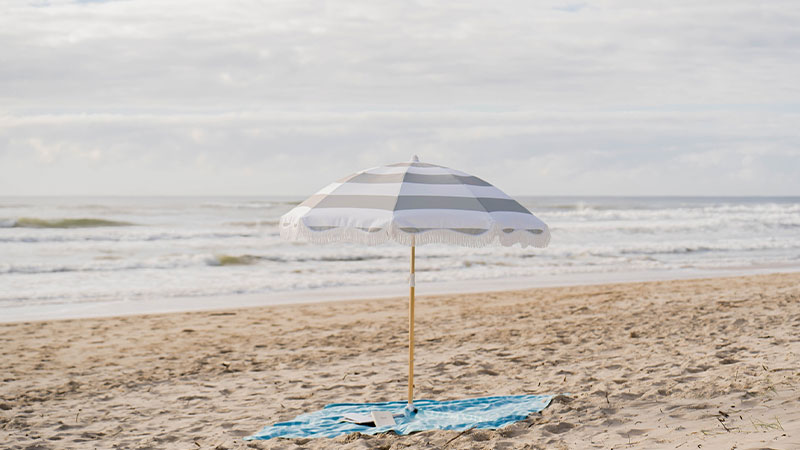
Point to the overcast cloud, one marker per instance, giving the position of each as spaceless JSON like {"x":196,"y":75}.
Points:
{"x":278,"y":98}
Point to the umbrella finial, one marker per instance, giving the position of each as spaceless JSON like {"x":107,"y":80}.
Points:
{"x":415,"y":158}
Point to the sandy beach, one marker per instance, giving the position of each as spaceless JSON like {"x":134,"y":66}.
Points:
{"x":709,"y":363}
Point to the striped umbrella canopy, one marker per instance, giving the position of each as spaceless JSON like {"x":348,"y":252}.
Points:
{"x":413,"y":203}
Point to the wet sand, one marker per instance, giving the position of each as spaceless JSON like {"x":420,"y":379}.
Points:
{"x":711,"y":363}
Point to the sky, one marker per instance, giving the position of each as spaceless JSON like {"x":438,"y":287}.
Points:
{"x":282,"y":97}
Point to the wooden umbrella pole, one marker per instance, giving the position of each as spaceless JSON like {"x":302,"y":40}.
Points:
{"x":411,"y":332}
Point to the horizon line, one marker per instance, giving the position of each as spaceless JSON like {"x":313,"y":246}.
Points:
{"x":307,"y":195}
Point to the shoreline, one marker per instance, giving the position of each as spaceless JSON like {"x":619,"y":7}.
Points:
{"x":121,"y":308}
{"x":703,"y":363}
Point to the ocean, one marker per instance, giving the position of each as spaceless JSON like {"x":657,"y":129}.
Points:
{"x":66,"y":252}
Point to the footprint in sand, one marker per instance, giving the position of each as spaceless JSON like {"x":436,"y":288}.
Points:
{"x":558,"y":428}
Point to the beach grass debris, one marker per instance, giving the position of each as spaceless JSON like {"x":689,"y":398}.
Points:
{"x":760,"y":425}
{"x":457,"y":436}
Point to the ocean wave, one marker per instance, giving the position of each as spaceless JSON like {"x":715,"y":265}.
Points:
{"x":240,"y":260}
{"x":126,"y":237}
{"x":676,"y":248}
{"x":104,"y":264}
{"x":59,"y":268}
{"x":483,"y":263}
{"x":231,"y":260}
{"x":349,"y":258}
{"x":630,"y":222}
{"x":255,"y":224}
{"x":677,"y":226}
{"x":255,"y":204}
{"x":33,"y":222}
{"x":116,"y":264}
{"x":583,"y":207}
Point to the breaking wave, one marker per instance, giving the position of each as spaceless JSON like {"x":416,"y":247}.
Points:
{"x":32,"y":222}
{"x":231,"y":260}
{"x":156,"y":235}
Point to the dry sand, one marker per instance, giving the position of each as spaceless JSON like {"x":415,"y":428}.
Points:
{"x":676,"y":364}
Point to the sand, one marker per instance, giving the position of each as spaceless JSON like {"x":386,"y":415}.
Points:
{"x":685,"y":364}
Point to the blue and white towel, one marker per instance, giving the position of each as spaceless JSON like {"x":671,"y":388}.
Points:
{"x":484,"y":413}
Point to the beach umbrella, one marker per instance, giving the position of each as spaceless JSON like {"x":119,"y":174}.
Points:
{"x":413,"y":203}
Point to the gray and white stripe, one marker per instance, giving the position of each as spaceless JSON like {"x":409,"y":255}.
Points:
{"x":413,"y":203}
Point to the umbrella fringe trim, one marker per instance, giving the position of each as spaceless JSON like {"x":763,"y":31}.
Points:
{"x":296,"y":230}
